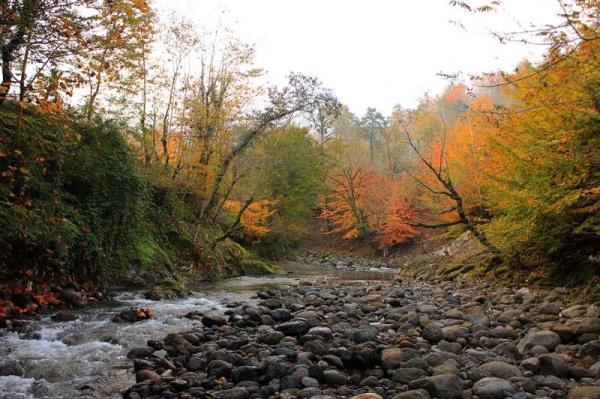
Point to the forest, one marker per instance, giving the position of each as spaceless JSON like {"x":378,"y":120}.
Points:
{"x":138,"y":144}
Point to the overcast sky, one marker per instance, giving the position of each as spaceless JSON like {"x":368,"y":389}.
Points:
{"x":373,"y":53}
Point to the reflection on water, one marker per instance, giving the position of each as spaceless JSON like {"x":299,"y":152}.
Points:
{"x":86,"y":358}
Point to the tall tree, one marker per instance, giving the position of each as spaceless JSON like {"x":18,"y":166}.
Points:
{"x":119,"y":29}
{"x":302,"y":94}
{"x":372,"y":123}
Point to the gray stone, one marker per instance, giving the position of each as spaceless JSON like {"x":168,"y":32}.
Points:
{"x":413,"y":394}
{"x":234,"y":393}
{"x":334,"y":378}
{"x":293,"y":328}
{"x":496,"y":369}
{"x":552,"y":364}
{"x":391,"y":358}
{"x":210,"y":321}
{"x":433,"y":333}
{"x":545,"y":338}
{"x":310,"y":382}
{"x":281,"y":314}
{"x":494,"y":388}
{"x":444,"y":386}
{"x":406,"y":375}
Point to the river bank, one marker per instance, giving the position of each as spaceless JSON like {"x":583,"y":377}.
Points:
{"x":316,"y":328}
{"x":85,"y":355}
{"x":391,"y":339}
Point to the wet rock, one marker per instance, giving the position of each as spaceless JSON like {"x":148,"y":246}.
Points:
{"x":138,"y":353}
{"x":281,"y":315}
{"x":61,"y":317}
{"x":12,"y":367}
{"x":452,"y":347}
{"x":72,"y":297}
{"x":584,"y":325}
{"x":272,"y":303}
{"x":453,"y":333}
{"x":132,"y":315}
{"x":330,"y":338}
{"x":146,"y":375}
{"x":494,"y":388}
{"x":210,"y":321}
{"x":548,"y":308}
{"x":323,"y":332}
{"x":293,"y":328}
{"x":310,"y":382}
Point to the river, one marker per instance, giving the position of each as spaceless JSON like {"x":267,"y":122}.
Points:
{"x":87,"y":358}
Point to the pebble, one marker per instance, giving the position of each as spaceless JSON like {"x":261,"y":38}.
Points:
{"x":386,"y":340}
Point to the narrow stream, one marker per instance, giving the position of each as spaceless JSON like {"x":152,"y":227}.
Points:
{"x":87,"y":358}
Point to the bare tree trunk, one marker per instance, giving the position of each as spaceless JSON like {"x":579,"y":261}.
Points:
{"x":443,"y":177}
{"x":242,"y":145}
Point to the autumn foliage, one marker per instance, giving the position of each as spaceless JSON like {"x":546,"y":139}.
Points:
{"x":366,"y":205}
{"x":255,"y":217}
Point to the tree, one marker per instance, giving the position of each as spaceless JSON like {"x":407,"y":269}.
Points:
{"x":365,"y":205}
{"x":322,"y":119}
{"x":302,"y":94}
{"x":543,"y":185}
{"x":438,"y":182}
{"x":372,"y":125}
{"x":111,"y":44}
{"x":288,"y":166}
{"x":40,"y":35}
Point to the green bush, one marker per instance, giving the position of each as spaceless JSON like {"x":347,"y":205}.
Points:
{"x":73,"y":200}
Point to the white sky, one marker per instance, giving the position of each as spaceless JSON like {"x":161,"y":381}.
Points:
{"x":373,"y":52}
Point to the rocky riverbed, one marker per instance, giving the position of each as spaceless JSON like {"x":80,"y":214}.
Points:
{"x":388,"y":339}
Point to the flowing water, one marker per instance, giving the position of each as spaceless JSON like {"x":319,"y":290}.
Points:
{"x":87,"y":358}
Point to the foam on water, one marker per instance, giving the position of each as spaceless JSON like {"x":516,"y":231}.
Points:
{"x":67,"y":359}
{"x":13,"y":387}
